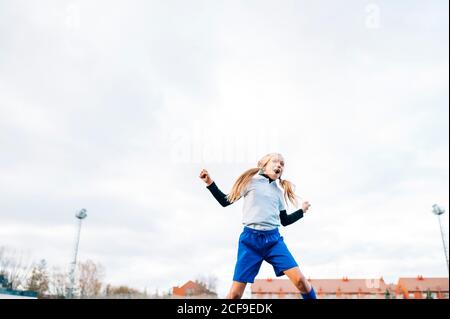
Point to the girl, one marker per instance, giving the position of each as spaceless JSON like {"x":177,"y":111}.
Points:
{"x":264,"y":211}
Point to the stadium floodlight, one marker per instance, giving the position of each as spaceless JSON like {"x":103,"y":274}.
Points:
{"x":438,"y":210}
{"x":80,"y":215}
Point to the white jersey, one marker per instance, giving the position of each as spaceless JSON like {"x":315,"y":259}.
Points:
{"x":263,"y":201}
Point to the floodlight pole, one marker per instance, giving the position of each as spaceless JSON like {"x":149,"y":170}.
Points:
{"x":437,"y":210}
{"x":70,"y":291}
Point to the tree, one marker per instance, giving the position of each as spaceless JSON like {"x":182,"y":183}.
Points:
{"x":57,"y":282}
{"x":4,"y":283}
{"x":207,"y":285}
{"x":89,"y":278}
{"x":14,"y":266}
{"x":122,"y":290}
{"x":39,"y":280}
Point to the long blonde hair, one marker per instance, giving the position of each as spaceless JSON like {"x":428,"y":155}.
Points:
{"x":245,"y":178}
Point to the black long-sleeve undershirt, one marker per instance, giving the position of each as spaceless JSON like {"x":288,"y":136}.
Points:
{"x":218,"y":195}
{"x":285,"y":219}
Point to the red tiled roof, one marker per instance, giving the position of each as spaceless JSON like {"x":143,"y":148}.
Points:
{"x":181,"y":291}
{"x":353,"y":286}
{"x":326,"y":286}
{"x":273,"y":286}
{"x":420,"y":283}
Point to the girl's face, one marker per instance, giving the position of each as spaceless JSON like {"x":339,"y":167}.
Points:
{"x":275,"y":167}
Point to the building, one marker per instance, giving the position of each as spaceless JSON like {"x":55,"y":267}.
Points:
{"x":420,"y":288}
{"x":192,"y":289}
{"x":344,"y":288}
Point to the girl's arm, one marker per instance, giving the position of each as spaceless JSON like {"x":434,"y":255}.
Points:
{"x":292,"y":218}
{"x":217,"y":193}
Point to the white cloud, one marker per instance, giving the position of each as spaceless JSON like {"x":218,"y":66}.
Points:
{"x":117,"y":107}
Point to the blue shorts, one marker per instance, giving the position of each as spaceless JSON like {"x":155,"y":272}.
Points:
{"x":256,"y":246}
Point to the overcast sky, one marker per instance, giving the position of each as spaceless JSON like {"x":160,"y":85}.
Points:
{"x":116,"y":106}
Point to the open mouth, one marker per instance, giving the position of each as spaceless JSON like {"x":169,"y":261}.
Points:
{"x":277,"y":171}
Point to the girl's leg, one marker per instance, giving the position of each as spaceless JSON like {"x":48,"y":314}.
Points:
{"x":237,"y":290}
{"x":298,"y":279}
